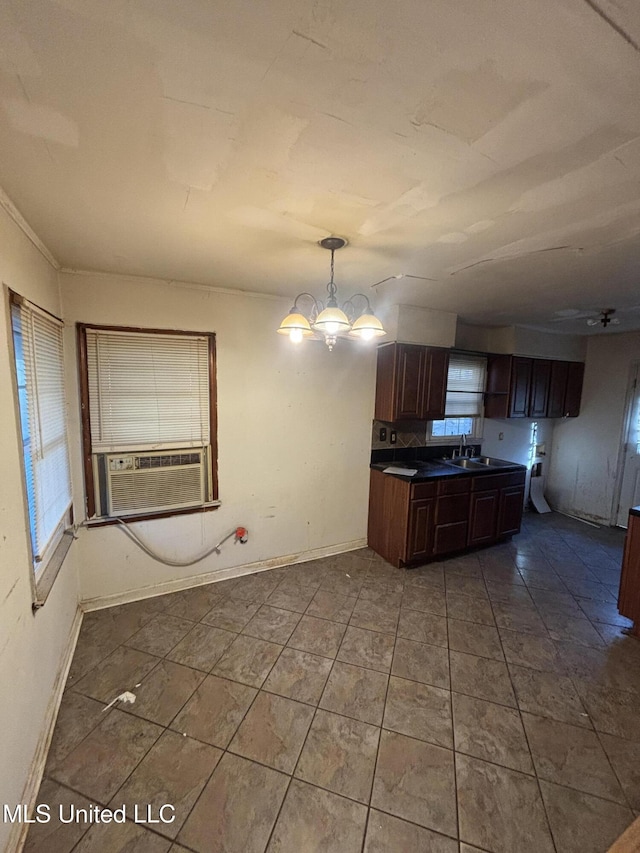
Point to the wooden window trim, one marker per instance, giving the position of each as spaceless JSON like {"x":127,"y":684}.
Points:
{"x":83,"y":369}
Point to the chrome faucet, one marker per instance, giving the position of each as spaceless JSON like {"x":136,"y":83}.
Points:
{"x":462,"y":445}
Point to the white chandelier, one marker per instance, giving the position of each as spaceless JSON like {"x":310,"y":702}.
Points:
{"x":331,"y":321}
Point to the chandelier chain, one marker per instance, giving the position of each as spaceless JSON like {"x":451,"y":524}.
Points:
{"x":331,"y":287}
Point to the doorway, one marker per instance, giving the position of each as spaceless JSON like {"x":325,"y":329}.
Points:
{"x":629,"y":478}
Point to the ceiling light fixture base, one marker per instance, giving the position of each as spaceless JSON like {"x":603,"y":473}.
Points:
{"x":333,"y":243}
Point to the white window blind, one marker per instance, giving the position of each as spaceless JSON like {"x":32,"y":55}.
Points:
{"x":147,"y":390}
{"x":38,"y":339}
{"x":465,"y":385}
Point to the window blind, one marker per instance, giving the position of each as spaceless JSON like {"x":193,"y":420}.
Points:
{"x":39,"y":343}
{"x":147,"y":390}
{"x":465,"y":385}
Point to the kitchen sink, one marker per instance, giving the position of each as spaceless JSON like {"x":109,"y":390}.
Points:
{"x":464,"y":462}
{"x":477,"y":462}
{"x":493,"y":462}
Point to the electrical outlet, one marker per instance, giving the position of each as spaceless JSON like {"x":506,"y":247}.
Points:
{"x":393,"y":437}
{"x":383,"y":433}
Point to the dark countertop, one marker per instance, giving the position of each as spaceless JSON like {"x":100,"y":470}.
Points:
{"x":635,"y":510}
{"x":439,"y":470}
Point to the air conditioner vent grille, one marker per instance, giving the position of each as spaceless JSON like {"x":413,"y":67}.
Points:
{"x":132,"y":491}
{"x":167,"y":460}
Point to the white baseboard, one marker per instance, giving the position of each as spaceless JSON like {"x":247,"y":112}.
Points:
{"x":130,"y":595}
{"x":29,"y":795}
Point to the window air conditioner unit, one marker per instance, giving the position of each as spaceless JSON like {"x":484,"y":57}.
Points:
{"x":138,"y":482}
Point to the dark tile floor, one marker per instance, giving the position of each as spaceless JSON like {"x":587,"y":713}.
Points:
{"x":489,"y":702}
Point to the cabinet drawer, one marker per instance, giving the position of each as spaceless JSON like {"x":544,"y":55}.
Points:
{"x":497,"y":481}
{"x":423,"y":490}
{"x":459,"y":486}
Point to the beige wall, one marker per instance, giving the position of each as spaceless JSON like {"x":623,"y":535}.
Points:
{"x":294,"y":435}
{"x":520,"y":340}
{"x":548,"y":345}
{"x":32,"y":646}
{"x":412,"y":325}
{"x":586,"y":449}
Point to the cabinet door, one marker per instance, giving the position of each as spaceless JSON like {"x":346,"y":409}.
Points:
{"x":573,"y":394}
{"x":496,"y":398}
{"x":483,"y":517}
{"x":410,"y":382}
{"x":557,"y":389}
{"x":420,"y":539}
{"x":540,"y":382}
{"x":629,"y":594}
{"x":510,"y":511}
{"x":435,"y":387}
{"x":385,"y":383}
{"x":520,"y":388}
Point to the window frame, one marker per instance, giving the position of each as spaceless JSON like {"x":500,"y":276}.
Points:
{"x":476,"y":433}
{"x":87,"y":451}
{"x":478,"y":420}
{"x":43,"y":572}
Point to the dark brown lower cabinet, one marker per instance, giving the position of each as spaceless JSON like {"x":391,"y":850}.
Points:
{"x":451,"y":516}
{"x":510,"y":510}
{"x":420,"y":529}
{"x":629,"y":594}
{"x":412,"y":523}
{"x":483,"y":517}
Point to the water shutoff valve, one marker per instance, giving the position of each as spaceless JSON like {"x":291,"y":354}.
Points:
{"x":242,"y":534}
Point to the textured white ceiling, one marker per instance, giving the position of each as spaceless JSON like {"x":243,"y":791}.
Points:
{"x":490,"y":145}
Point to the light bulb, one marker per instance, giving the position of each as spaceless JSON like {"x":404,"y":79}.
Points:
{"x":367,"y":334}
{"x":295,"y":336}
{"x":332,"y":328}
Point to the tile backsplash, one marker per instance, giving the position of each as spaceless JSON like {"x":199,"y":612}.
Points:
{"x":407,"y":435}
{"x":411,"y":443}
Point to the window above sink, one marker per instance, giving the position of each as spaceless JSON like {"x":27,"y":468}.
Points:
{"x":466,"y":380}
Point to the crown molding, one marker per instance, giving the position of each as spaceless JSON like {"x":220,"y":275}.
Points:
{"x":23,"y":225}
{"x":173,"y":282}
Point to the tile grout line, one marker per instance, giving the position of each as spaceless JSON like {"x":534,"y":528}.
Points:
{"x":292,"y":776}
{"x":367,"y":579}
{"x":453,"y":729}
{"x":533,"y":763}
{"x":224,"y":750}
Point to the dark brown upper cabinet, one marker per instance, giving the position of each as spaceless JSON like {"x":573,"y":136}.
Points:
{"x":557,"y":389}
{"x":540,"y":384}
{"x":573,"y":393}
{"x":565,"y":391}
{"x":411,"y":382}
{"x":519,"y":387}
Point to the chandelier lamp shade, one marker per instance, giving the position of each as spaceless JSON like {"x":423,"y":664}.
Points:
{"x":331,"y":321}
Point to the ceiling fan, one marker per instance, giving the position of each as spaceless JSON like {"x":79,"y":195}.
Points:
{"x":605,"y":318}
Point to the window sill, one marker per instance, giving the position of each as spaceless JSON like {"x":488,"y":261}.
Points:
{"x":150,"y":516}
{"x":46,"y":578}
